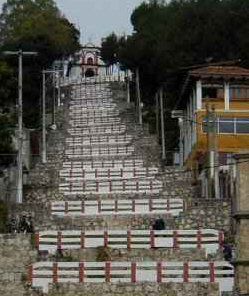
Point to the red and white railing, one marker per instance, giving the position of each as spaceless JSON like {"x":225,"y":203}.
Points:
{"x":172,"y":207}
{"x":98,"y":141}
{"x":82,"y":107}
{"x":75,"y":109}
{"x":90,"y":116}
{"x":99,"y":151}
{"x":91,"y":104}
{"x":99,"y":186}
{"x":89,"y":96}
{"x":91,"y":93}
{"x":80,"y":82}
{"x":94,"y":121}
{"x":98,"y":138}
{"x":209,"y":239}
{"x":111,"y":173}
{"x":79,"y":103}
{"x":81,"y":86}
{"x":41,"y":274}
{"x":95,"y":164}
{"x":94,"y":107}
{"x":93,"y":113}
{"x":111,"y":129}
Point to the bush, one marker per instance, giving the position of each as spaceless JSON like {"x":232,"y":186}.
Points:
{"x":3,"y":217}
{"x":103,"y":254}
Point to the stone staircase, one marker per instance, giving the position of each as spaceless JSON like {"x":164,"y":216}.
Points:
{"x":97,"y":201}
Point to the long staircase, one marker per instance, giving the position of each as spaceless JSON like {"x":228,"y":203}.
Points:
{"x":113,"y":199}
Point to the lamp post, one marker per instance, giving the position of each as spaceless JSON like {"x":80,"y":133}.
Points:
{"x":20,"y":54}
{"x":139,"y":105}
{"x":162,"y":124}
{"x":44,"y":144}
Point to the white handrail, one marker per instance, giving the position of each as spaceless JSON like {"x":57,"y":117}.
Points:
{"x":41,"y":274}
{"x":209,"y":239}
{"x":111,"y":173}
{"x":114,"y":163}
{"x":99,"y":186}
{"x":173,"y":206}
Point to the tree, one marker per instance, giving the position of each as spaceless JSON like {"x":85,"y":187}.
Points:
{"x":171,"y":36}
{"x":30,"y":25}
{"x":7,"y":82}
{"x":35,"y":25}
{"x":109,"y":49}
{"x":6,"y":132}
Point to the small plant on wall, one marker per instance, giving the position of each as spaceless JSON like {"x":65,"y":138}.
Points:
{"x":103,"y":254}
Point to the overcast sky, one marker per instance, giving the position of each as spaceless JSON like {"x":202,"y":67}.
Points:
{"x":98,"y":18}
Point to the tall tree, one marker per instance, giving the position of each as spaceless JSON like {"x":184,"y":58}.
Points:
{"x":30,"y":25}
{"x":109,"y":49}
{"x":36,"y":25}
{"x":170,"y":36}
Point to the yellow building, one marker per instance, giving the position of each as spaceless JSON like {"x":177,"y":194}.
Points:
{"x":226,"y":90}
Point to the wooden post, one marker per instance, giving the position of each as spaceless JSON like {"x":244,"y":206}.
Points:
{"x":159,"y":272}
{"x":81,"y":272}
{"x":133,"y":272}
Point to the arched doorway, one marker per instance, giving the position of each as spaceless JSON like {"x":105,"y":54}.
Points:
{"x":89,"y":61}
{"x":89,"y":73}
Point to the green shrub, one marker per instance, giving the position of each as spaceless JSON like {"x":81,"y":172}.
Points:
{"x":103,"y":254}
{"x":3,"y":217}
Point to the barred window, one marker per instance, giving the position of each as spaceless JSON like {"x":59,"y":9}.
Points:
{"x":229,"y":125}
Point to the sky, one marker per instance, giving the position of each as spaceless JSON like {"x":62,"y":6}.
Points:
{"x":98,"y":18}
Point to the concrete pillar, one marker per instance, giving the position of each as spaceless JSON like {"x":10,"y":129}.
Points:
{"x":199,"y":95}
{"x":227,"y":95}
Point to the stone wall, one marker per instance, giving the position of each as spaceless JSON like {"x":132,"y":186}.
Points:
{"x":241,"y":215}
{"x":136,"y":290}
{"x":203,"y":215}
{"x":112,"y":254}
{"x":16,"y":254}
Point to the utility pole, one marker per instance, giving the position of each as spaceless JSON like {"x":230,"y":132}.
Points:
{"x":162,"y":124}
{"x":128,"y":89}
{"x":139,"y":107}
{"x":157,"y":114}
{"x":44,"y":145}
{"x":54,"y":91}
{"x":213,"y":178}
{"x":59,"y":89}
{"x":20,"y":54}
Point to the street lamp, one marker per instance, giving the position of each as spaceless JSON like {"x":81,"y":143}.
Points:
{"x":20,"y":54}
{"x":139,"y":107}
{"x":44,"y":145}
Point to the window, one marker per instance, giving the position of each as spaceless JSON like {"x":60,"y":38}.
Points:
{"x":239,"y":93}
{"x":225,"y":126}
{"x":209,"y":92}
{"x":242,"y":126}
{"x":90,"y":61}
{"x":229,"y":125}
